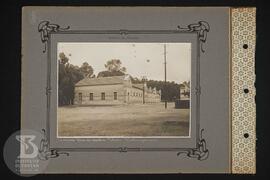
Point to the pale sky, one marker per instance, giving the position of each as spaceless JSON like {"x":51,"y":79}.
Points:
{"x":140,"y":59}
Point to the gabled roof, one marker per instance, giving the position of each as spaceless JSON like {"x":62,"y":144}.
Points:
{"x":101,"y":81}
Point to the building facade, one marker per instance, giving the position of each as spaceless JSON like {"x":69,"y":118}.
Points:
{"x":185,"y":91}
{"x":113,"y":90}
{"x":184,"y":101}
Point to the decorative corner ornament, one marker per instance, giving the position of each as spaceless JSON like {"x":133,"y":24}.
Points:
{"x":45,"y":28}
{"x":202,"y":28}
{"x":200,"y":152}
{"x":45,"y":152}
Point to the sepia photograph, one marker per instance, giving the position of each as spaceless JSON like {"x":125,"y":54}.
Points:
{"x":123,"y":89}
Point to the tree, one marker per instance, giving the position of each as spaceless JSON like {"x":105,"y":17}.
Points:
{"x":68,"y":76}
{"x":63,"y":58}
{"x":86,"y":70}
{"x":114,"y":68}
{"x":109,"y":74}
{"x":63,"y":80}
{"x":115,"y":65}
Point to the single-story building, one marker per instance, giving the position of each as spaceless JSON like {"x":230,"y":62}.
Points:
{"x":185,"y":90}
{"x":184,"y":101}
{"x":113,"y":90}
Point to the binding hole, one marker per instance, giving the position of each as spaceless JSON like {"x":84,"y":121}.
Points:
{"x":246,"y":135}
{"x":246,"y":91}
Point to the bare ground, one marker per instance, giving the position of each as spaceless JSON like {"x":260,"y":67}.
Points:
{"x":123,"y":120}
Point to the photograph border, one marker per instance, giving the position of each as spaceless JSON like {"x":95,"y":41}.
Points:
{"x":201,"y":28}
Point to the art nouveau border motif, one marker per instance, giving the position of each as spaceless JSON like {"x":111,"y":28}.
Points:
{"x":200,"y":152}
{"x":243,"y":32}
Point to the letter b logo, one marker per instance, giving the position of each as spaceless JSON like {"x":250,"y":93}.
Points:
{"x":28,"y":149}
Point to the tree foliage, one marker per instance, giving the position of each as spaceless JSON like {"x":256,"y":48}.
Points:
{"x":68,"y":76}
{"x":108,"y":73}
{"x":87,"y":70}
{"x":115,"y":65}
{"x":114,"y":68}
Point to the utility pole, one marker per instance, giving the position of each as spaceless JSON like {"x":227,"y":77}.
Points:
{"x":144,"y":78}
{"x":165,"y":75}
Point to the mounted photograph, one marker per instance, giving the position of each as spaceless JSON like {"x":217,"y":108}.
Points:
{"x":123,"y":89}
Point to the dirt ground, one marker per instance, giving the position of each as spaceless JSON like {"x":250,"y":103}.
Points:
{"x":123,"y":120}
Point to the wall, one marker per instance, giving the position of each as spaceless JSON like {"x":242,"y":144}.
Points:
{"x":134,"y":95}
{"x":124,"y":95}
{"x":97,"y":90}
{"x":152,"y":98}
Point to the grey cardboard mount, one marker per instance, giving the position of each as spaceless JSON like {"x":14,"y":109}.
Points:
{"x":214,"y":81}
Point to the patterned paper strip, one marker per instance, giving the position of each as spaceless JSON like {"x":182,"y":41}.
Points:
{"x":243,"y":33}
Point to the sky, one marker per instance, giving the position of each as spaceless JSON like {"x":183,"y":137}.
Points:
{"x":140,"y":59}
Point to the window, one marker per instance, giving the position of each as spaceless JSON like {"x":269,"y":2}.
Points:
{"x":80,"y":96}
{"x":115,"y":95}
{"x":91,"y":96}
{"x":103,"y":96}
